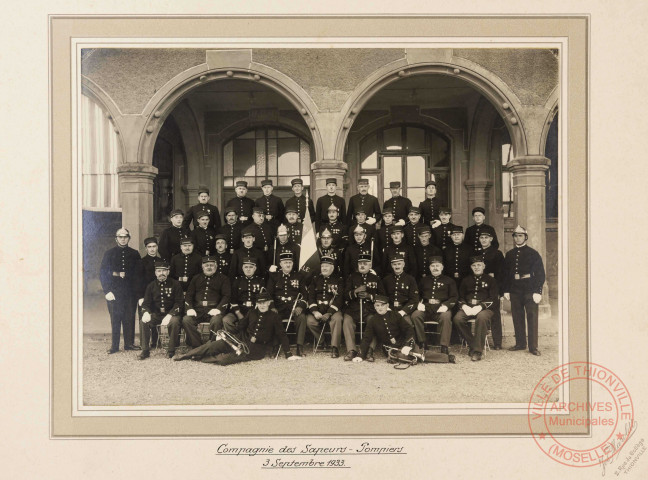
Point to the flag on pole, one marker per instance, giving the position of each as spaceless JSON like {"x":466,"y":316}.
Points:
{"x":308,"y":257}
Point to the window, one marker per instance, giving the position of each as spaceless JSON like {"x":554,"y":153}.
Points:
{"x":266,"y":153}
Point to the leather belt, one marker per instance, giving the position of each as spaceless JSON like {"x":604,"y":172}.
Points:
{"x":208,"y":304}
{"x":434,"y":301}
{"x":322,"y":302}
{"x":184,"y":279}
{"x":285,"y":299}
{"x":396,"y":304}
{"x":474,"y":301}
{"x":119,"y":274}
{"x":248,"y":304}
{"x":519,"y":277}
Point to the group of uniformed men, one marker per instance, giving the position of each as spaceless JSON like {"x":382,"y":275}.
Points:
{"x":242,"y":277}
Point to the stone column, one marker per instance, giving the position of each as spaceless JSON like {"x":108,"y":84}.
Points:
{"x":529,"y":206}
{"x":323,"y":169}
{"x":136,"y":195}
{"x":478,"y":196}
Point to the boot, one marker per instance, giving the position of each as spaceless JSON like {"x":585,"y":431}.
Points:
{"x":444,"y":349}
{"x":351,"y":354}
{"x":300,"y":351}
{"x":334,"y":352}
{"x":370,"y":355}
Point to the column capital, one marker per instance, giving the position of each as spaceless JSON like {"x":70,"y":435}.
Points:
{"x":329,"y":163}
{"x":529,"y":162}
{"x":137,"y":170}
{"x":473,"y":184}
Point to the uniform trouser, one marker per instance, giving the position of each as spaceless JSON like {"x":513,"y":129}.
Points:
{"x":190,"y":325}
{"x":122,"y":316}
{"x":335,"y":322}
{"x":444,"y":328}
{"x":349,"y":327}
{"x":147,"y":329}
{"x":229,"y":323}
{"x":521,"y":303}
{"x":174,"y":333}
{"x":154,"y":334}
{"x":298,"y":320}
{"x":496,"y":323}
{"x":482,"y":324}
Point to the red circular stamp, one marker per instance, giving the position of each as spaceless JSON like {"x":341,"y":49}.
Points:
{"x":581,"y":433}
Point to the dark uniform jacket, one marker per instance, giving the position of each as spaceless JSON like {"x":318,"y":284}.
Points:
{"x":456,"y":261}
{"x":185,"y":267}
{"x":338,"y":232}
{"x":205,"y":293}
{"x":164,"y":298}
{"x":411,"y":237}
{"x":402,"y":291}
{"x":223,"y":262}
{"x":368,"y":202}
{"x":272,"y":205}
{"x":289,"y":246}
{"x":523,"y":271}
{"x":370,"y":231}
{"x":284,"y":290}
{"x":400,"y":205}
{"x":192,"y":214}
{"x":233,"y":235}
{"x":266,"y":329}
{"x":480,"y":290}
{"x":243,"y":207}
{"x":401,"y":249}
{"x":437,"y":291}
{"x":245,"y":291}
{"x":323,"y":204}
{"x":351,"y":255}
{"x":387,"y":329}
{"x":374,"y":287}
{"x":472,"y":237}
{"x":337,"y":254}
{"x":430,"y":209}
{"x":299,"y":203}
{"x":264,"y":239}
{"x":326,"y":294}
{"x":441,"y":235}
{"x":204,"y":240}
{"x":295,"y":231}
{"x":170,"y":241}
{"x":119,"y":272}
{"x":383,"y":237}
{"x":236,"y":267}
{"x":494,"y":261}
{"x":145,"y":274}
{"x":423,"y":255}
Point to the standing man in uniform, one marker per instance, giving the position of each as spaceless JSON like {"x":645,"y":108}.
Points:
{"x":494,"y":261}
{"x":186,"y":265}
{"x":431,"y":205}
{"x":365,"y":201}
{"x":398,"y":249}
{"x":293,"y":224}
{"x":383,"y":235}
{"x":400,"y":206}
{"x":203,"y":206}
{"x":523,"y":280}
{"x":146,"y":275}
{"x":456,"y":257}
{"x":231,"y":229}
{"x":328,"y":249}
{"x":336,"y":227}
{"x":271,"y":206}
{"x":414,"y":218}
{"x":203,"y":236}
{"x":118,"y":276}
{"x":362,"y":221}
{"x":355,"y":250}
{"x":248,"y":250}
{"x":263,"y":237}
{"x":442,"y":231}
{"x":241,"y":204}
{"x":222,"y":255}
{"x":298,"y":201}
{"x":171,"y":237}
{"x":325,"y":202}
{"x":284,"y":244}
{"x":425,"y":250}
{"x":472,"y":232}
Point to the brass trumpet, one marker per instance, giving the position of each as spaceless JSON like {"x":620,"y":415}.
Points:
{"x":238,"y":346}
{"x":395,"y":355}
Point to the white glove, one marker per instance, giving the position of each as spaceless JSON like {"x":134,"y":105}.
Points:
{"x":357,"y":359}
{"x":507,"y":296}
{"x":140,"y":302}
{"x":110,"y":297}
{"x":166,"y":320}
{"x":214,"y":311}
{"x":467,"y":310}
{"x":317,"y":315}
{"x":537,"y":297}
{"x":273,"y":268}
{"x":420,"y":307}
{"x":476,"y":309}
{"x":402,"y":313}
{"x":442,"y":308}
{"x":373,"y":271}
{"x":406,"y":350}
{"x":371,"y":220}
{"x":435,"y":223}
{"x":191,"y":313}
{"x":146,"y":317}
{"x":401,"y":223}
{"x":294,"y":357}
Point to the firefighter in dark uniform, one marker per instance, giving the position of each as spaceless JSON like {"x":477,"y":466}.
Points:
{"x":383,"y":235}
{"x":477,"y":295}
{"x":259,"y":330}
{"x":222,"y":255}
{"x":431,"y":205}
{"x":245,"y":290}
{"x":402,"y":291}
{"x":263,"y":236}
{"x":206,"y":301}
{"x":439,"y":295}
{"x":400,"y":206}
{"x":284,"y":244}
{"x":425,"y":250}
{"x":246,"y":251}
{"x":472,"y":232}
{"x":360,"y":290}
{"x":242,"y":204}
{"x":163,"y":303}
{"x":325,"y":301}
{"x":171,"y":237}
{"x":203,"y":236}
{"x":414,"y":218}
{"x":118,"y":276}
{"x":456,"y":257}
{"x":442,"y":231}
{"x":146,"y":275}
{"x":298,"y":201}
{"x":385,"y":327}
{"x":293,"y":224}
{"x":203,"y":206}
{"x":186,"y":265}
{"x":365,"y":201}
{"x":336,"y":227}
{"x":284,"y":286}
{"x":325,"y":202}
{"x":327,"y":248}
{"x":361,"y":221}
{"x":357,"y":248}
{"x":399,"y":248}
{"x":494,"y":261}
{"x":524,"y":276}
{"x":231,"y":229}
{"x":271,"y":205}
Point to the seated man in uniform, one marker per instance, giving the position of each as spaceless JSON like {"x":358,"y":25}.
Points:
{"x":162,"y":306}
{"x":245,"y":290}
{"x":186,"y":265}
{"x":477,"y":294}
{"x":438,"y":298}
{"x":257,"y":332}
{"x":206,"y":301}
{"x":284,"y":287}
{"x":402,"y":290}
